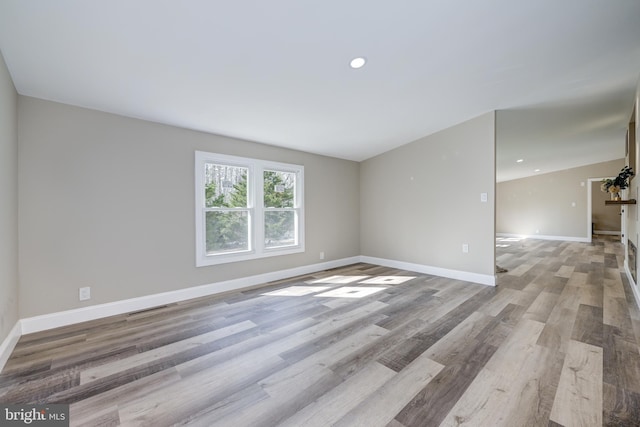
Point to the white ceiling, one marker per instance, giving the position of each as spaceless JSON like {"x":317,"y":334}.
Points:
{"x":277,"y":72}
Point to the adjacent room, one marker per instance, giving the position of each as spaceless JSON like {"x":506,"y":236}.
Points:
{"x":365,"y":213}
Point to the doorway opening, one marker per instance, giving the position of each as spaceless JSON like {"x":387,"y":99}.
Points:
{"x":601,"y":219}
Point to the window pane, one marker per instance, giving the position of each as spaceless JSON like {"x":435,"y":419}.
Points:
{"x":279,"y":189}
{"x":225,"y":186}
{"x":227,"y":231}
{"x":279,"y":228}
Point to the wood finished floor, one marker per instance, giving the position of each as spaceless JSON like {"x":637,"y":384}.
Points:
{"x":554,"y":344}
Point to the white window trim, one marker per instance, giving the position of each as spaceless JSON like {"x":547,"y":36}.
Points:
{"x":255,"y":206}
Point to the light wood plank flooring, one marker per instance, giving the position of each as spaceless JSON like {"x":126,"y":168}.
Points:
{"x":554,"y":344}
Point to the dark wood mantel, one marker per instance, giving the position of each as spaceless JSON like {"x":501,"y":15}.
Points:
{"x":620,"y":202}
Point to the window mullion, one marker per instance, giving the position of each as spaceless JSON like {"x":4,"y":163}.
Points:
{"x":258,"y":201}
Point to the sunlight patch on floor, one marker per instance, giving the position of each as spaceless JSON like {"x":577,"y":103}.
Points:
{"x":297,"y":291}
{"x":503,"y":242}
{"x":351,"y":292}
{"x":342,"y":292}
{"x":339,"y":279}
{"x":387,"y":280}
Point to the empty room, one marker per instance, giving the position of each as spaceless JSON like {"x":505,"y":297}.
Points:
{"x":289,"y":213}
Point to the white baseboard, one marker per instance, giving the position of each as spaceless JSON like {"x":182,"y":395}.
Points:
{"x":634,"y":286}
{"x":9,"y":343}
{"x":483,"y":279}
{"x":544,"y":237}
{"x":608,"y":233}
{"x":84,"y":314}
{"x":54,"y":320}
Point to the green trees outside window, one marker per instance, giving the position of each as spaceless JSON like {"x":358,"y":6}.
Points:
{"x":228,"y":215}
{"x":279,"y":215}
{"x":227,"y":223}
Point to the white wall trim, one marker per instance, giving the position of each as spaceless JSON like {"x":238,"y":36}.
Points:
{"x":543,"y":237}
{"x":483,"y":279}
{"x":634,"y":287}
{"x":69,"y":317}
{"x":609,"y":233}
{"x":9,"y":343}
{"x":84,"y":314}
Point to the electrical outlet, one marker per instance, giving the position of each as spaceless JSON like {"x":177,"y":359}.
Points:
{"x":321,"y":255}
{"x":84,"y":293}
{"x":465,"y":248}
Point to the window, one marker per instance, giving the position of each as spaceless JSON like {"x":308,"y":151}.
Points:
{"x":280,"y":211}
{"x":247,"y":208}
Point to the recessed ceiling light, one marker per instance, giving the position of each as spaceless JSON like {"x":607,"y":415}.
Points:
{"x":519,"y":160}
{"x":536,"y":170}
{"x":358,"y":62}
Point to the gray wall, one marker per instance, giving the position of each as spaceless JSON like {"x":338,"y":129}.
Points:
{"x":421,"y":202}
{"x":108,"y":202}
{"x":542,"y":204}
{"x":8,"y":202}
